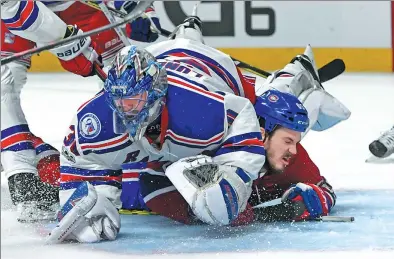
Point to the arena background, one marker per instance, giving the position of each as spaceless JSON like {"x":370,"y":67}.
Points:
{"x":268,"y":34}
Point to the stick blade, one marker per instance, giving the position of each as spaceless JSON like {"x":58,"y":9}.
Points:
{"x":331,"y":70}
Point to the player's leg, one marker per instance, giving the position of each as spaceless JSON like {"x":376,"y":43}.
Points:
{"x":18,"y":156}
{"x":384,"y":145}
{"x":161,"y":197}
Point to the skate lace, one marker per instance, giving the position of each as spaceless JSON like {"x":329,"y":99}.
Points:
{"x":387,"y":139}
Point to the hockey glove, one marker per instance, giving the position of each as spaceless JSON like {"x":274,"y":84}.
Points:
{"x":216,"y":193}
{"x":87,"y":216}
{"x":145,"y":28}
{"x":309,"y":201}
{"x":78,"y":56}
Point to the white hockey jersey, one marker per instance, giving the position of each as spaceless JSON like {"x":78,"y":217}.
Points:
{"x":201,"y":115}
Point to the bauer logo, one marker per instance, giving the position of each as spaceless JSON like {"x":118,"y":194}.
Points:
{"x":89,"y":126}
{"x":73,"y":51}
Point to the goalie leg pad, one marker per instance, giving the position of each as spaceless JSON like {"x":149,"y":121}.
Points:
{"x":87,"y":216}
{"x":72,"y":213}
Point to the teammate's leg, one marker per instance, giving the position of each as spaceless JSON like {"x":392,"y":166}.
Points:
{"x":33,"y":198}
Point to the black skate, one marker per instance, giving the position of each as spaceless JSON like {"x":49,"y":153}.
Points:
{"x":34,"y":199}
{"x":384,"y":145}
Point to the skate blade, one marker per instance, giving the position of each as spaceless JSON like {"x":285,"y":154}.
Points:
{"x":377,"y":160}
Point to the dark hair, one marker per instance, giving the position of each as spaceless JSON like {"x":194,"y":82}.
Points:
{"x":268,"y":133}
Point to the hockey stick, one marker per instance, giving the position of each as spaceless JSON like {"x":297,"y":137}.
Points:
{"x":137,"y":11}
{"x":111,"y":20}
{"x":278,"y":201}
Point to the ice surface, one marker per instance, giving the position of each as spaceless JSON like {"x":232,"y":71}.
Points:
{"x":50,"y":100}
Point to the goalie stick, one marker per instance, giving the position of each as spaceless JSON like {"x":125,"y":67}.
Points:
{"x":327,"y":72}
{"x":278,"y":201}
{"x":137,"y":11}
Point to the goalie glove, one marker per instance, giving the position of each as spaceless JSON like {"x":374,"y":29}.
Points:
{"x":216,"y":193}
{"x":78,"y":56}
{"x":87,"y":216}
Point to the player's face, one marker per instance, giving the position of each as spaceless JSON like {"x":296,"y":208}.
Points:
{"x":131,"y":106}
{"x":280,"y":148}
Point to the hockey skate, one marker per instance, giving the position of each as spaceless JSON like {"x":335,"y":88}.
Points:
{"x":191,"y":28}
{"x":34,"y":200}
{"x":384,"y":145}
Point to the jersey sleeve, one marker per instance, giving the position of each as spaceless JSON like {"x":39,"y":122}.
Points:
{"x":243,"y":145}
{"x":77,"y":166}
{"x":32,"y":20}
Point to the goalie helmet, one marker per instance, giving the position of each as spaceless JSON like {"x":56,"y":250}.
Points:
{"x":135,"y":89}
{"x":276,"y":108}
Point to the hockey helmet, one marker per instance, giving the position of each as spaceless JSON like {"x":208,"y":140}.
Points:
{"x":135,"y":90}
{"x":276,"y":108}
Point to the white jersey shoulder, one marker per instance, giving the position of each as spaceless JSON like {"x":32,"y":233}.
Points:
{"x":206,"y":65}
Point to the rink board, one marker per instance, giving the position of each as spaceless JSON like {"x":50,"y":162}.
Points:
{"x":373,"y":228}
